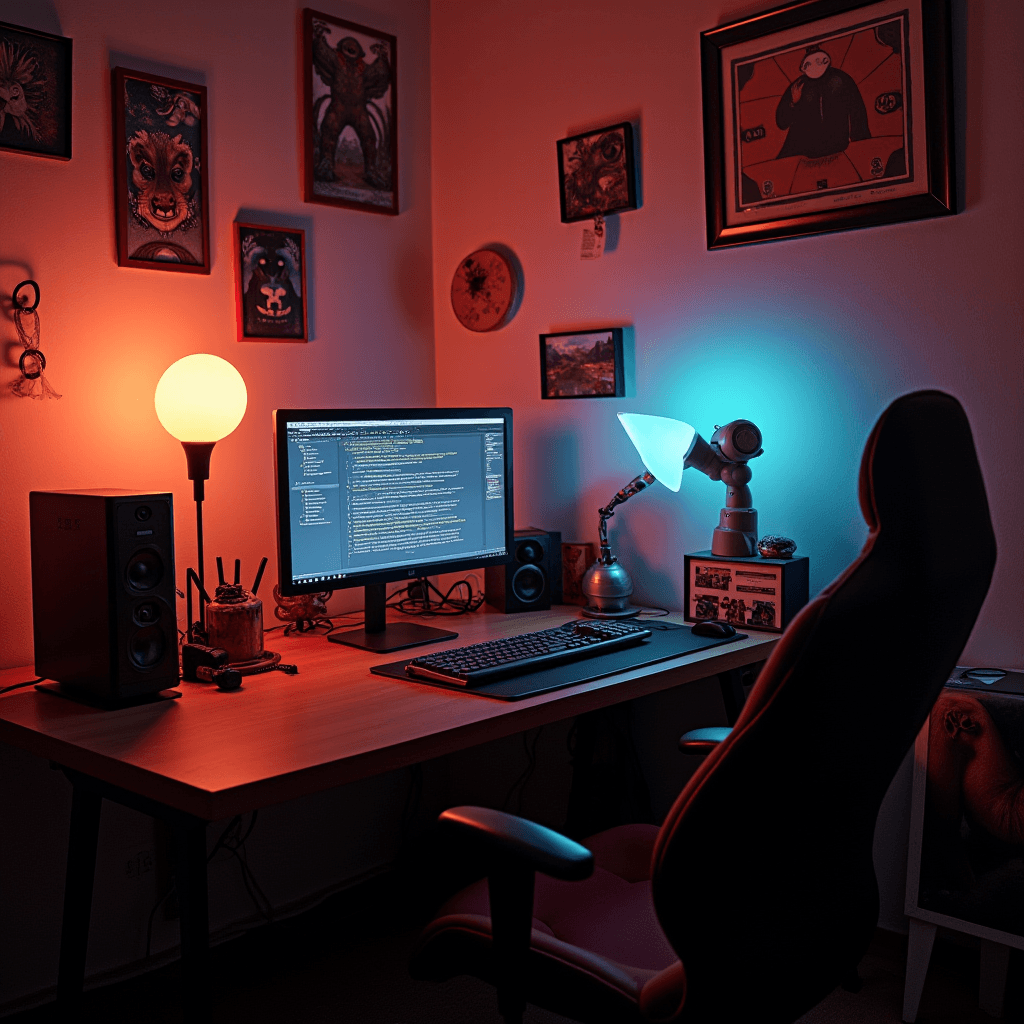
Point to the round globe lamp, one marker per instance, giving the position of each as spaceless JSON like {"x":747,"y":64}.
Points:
{"x":199,"y":400}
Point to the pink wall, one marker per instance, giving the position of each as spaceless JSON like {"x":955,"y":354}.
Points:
{"x":108,"y":333}
{"x":809,"y":338}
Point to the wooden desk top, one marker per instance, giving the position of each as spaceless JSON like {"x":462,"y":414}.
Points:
{"x":216,"y":754}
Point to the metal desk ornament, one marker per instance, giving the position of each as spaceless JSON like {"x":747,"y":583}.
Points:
{"x":32,"y":383}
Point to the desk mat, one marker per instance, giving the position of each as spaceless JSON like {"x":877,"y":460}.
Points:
{"x":669,"y":641}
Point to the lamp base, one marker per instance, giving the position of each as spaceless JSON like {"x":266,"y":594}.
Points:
{"x":607,"y":588}
{"x":735,"y":535}
{"x":626,"y":613}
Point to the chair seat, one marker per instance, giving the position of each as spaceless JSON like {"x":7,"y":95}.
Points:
{"x":594,"y":942}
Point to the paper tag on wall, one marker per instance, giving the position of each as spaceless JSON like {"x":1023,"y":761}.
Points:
{"x":593,"y":240}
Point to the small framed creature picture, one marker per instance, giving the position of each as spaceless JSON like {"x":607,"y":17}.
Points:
{"x":350,"y":114}
{"x":162,"y":198}
{"x":35,"y":92}
{"x":596,"y":173}
{"x":270,"y":283}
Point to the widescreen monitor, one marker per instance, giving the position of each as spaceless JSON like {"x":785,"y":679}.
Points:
{"x":366,"y":497}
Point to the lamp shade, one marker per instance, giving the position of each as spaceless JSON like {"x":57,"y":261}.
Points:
{"x":663,"y":444}
{"x":200,"y":398}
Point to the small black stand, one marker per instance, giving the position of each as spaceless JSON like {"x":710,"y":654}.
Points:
{"x":83,"y":697}
{"x":376,"y":635}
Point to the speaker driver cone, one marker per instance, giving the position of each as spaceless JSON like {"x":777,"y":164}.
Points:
{"x":146,"y":648}
{"x":145,"y":570}
{"x":528,"y":584}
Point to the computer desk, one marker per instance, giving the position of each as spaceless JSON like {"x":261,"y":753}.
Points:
{"x":210,"y":755}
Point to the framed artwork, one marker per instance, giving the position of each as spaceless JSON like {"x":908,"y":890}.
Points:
{"x":270,"y":283}
{"x":596,"y":173}
{"x":35,"y":92}
{"x":350,"y":120}
{"x":964,"y":868}
{"x":582,"y":364}
{"x":827,"y":115}
{"x":160,"y":174}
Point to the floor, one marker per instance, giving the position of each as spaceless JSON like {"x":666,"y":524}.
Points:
{"x":328,"y":966}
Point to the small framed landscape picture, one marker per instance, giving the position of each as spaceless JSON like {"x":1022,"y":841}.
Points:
{"x":596,"y":173}
{"x":160,"y":173}
{"x":270,"y":283}
{"x":350,"y":114}
{"x":35,"y":92}
{"x":582,"y":364}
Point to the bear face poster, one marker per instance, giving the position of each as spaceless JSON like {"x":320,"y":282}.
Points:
{"x":160,"y":173}
{"x":270,"y":283}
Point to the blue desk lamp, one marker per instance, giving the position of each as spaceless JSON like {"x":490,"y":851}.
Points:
{"x":667,"y":447}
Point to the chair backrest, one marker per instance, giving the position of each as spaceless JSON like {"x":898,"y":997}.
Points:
{"x":762,"y":878}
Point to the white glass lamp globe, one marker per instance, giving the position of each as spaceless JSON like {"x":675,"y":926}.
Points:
{"x":662,"y":443}
{"x":200,"y":398}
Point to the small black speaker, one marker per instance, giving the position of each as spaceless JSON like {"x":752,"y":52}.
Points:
{"x":109,"y":555}
{"x":532,"y":581}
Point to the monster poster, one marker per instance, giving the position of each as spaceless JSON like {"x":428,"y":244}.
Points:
{"x":35,"y":92}
{"x":270,"y":283}
{"x":160,"y":173}
{"x":596,"y":173}
{"x":839,"y":121}
{"x":967,"y":845}
{"x":351,"y":114}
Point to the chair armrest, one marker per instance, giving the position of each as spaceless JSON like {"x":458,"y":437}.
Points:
{"x":703,"y":741}
{"x":521,"y":841}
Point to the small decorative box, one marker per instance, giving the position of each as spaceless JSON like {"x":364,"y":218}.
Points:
{"x":748,"y":593}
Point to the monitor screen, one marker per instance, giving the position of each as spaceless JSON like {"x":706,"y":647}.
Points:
{"x":365,"y":497}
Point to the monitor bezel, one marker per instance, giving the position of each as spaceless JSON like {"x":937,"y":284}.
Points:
{"x":281,"y":419}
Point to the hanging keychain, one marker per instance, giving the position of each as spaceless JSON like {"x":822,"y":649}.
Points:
{"x":32,"y":362}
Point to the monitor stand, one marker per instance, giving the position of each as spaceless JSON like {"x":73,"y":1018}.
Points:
{"x":378,"y":635}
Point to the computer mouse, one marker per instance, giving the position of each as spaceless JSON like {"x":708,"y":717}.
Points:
{"x":710,"y":628}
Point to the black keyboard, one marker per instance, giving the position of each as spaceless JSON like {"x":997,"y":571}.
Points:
{"x":514,"y":655}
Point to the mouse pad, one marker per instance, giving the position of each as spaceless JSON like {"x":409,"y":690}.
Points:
{"x":669,"y":641}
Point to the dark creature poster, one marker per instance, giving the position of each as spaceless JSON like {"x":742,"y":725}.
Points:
{"x":972,"y":850}
{"x":829,"y":115}
{"x":596,"y":173}
{"x":351,"y":131}
{"x":271,"y":269}
{"x":161,"y":154}
{"x":35,"y":92}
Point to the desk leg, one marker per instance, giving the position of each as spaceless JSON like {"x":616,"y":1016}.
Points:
{"x":733,"y":694}
{"x":190,"y":875}
{"x":81,"y":870}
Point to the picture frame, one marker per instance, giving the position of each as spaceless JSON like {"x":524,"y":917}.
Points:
{"x":363,"y":174}
{"x":960,"y":859}
{"x":35,"y":118}
{"x":825,"y":116}
{"x":161,"y":188}
{"x":596,"y":173}
{"x":270,"y":283}
{"x":582,"y":364}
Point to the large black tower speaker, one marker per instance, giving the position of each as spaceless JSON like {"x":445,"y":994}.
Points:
{"x":532,"y":581}
{"x":109,"y":556}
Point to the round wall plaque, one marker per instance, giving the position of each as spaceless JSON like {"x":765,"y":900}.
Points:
{"x":483,"y":290}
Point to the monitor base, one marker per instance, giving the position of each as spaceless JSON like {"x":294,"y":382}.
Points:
{"x":394,"y":637}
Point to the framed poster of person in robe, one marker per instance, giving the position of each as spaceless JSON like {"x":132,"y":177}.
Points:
{"x":270,"y":283}
{"x":825,"y":116}
{"x":350,"y":114}
{"x":160,"y":173}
